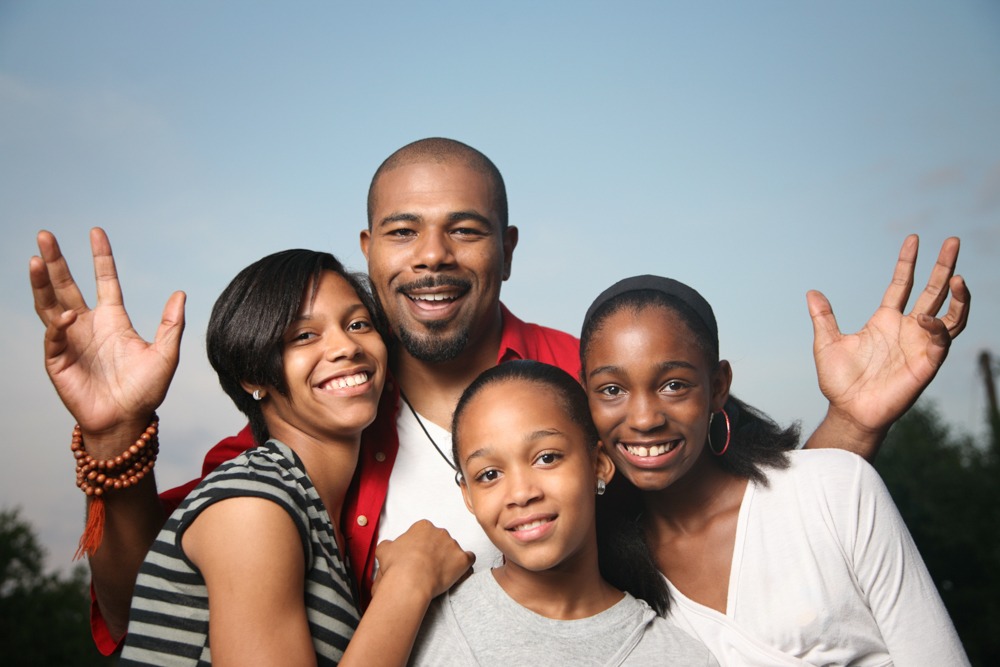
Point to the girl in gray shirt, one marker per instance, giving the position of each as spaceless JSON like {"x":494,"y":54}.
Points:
{"x":531,"y":469}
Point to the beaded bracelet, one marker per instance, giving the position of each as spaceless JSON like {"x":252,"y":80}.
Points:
{"x":95,"y":478}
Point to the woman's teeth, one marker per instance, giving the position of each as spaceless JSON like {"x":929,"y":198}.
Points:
{"x":655,"y":450}
{"x":345,"y":381}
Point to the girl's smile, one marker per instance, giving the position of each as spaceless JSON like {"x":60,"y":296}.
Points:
{"x":652,"y":390}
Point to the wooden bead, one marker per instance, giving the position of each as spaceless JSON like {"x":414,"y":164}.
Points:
{"x":127,"y":469}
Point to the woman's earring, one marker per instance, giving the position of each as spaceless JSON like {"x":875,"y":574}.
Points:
{"x":601,"y":486}
{"x":257,"y":395}
{"x":729,"y":433}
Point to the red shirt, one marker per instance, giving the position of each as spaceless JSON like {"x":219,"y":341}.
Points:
{"x":379,"y":443}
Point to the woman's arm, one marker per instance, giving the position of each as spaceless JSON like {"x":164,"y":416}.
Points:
{"x":902,"y":596}
{"x":250,"y":554}
{"x":415,"y":568}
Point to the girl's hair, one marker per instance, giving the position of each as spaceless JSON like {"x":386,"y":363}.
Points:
{"x":624,"y":559}
{"x":757,"y":442}
{"x":245,"y":338}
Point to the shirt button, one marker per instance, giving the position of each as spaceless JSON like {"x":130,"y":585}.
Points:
{"x":380,"y":456}
{"x":362,"y":520}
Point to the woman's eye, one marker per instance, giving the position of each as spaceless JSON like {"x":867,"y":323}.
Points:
{"x":674,"y":385}
{"x":359,"y":325}
{"x":611,"y":390}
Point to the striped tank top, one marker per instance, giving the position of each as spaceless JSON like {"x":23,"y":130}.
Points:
{"x":168,"y":623}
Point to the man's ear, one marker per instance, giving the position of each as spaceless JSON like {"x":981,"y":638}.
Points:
{"x":509,"y":243}
{"x":366,"y":238}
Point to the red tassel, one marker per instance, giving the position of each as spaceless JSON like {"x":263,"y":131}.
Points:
{"x":93,"y":533}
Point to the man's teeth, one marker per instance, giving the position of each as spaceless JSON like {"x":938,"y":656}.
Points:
{"x":347,"y":381}
{"x":655,"y":450}
{"x":530,"y":525}
{"x":448,"y":296}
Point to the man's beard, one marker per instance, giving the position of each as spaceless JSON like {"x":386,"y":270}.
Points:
{"x":434,"y":348}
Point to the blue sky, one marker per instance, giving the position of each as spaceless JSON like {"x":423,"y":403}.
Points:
{"x":753,"y":150}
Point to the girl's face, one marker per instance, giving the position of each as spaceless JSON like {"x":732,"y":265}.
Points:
{"x":334,"y":362}
{"x":651,"y":392}
{"x":529,"y":475}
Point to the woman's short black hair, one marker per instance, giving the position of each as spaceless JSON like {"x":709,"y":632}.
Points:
{"x":245,"y":337}
{"x":624,"y":558}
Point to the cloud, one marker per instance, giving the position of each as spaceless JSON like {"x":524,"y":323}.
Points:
{"x":988,"y":200}
{"x":915,"y":222}
{"x":941,"y":178}
{"x":31,"y":114}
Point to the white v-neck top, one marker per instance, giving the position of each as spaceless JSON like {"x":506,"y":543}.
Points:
{"x":824,"y":572}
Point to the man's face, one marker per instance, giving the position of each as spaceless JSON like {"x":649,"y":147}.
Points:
{"x":436,"y":257}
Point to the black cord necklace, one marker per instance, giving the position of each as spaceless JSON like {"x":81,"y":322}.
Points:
{"x":426,"y":432}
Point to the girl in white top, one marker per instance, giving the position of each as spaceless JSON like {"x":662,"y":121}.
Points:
{"x":531,"y":469}
{"x":773,"y":556}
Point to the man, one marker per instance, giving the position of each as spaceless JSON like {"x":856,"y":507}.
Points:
{"x":438,"y":247}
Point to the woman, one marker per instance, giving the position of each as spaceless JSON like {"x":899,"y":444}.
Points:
{"x":531,"y":469}
{"x":249,"y":569}
{"x":773,"y":556}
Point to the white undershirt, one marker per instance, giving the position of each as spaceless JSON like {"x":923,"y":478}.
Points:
{"x":422,"y":486}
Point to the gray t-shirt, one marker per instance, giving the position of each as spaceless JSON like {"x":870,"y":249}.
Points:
{"x":477,"y":623}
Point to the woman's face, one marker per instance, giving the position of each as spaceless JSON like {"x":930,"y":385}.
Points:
{"x":334,"y":363}
{"x":529,"y":475}
{"x":651,"y":392}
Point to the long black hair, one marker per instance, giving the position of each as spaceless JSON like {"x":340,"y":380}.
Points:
{"x":624,"y":559}
{"x":246,"y":329}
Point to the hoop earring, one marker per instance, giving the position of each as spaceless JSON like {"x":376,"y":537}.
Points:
{"x":729,"y":432}
{"x":256,"y":395}
{"x":601,"y":486}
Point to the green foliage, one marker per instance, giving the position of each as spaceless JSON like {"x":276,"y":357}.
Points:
{"x":947,"y":488}
{"x":44,"y":618}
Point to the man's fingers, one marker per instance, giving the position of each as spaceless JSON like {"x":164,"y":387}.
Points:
{"x":932,"y":297}
{"x":64,"y":287}
{"x":898,"y":292}
{"x":41,"y":289}
{"x":825,"y":329}
{"x":55,"y":336}
{"x":940,"y":339}
{"x":168,"y":334}
{"x":109,"y":291}
{"x":958,"y":308}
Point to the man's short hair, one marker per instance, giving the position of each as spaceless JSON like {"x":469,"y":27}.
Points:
{"x":441,"y":150}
